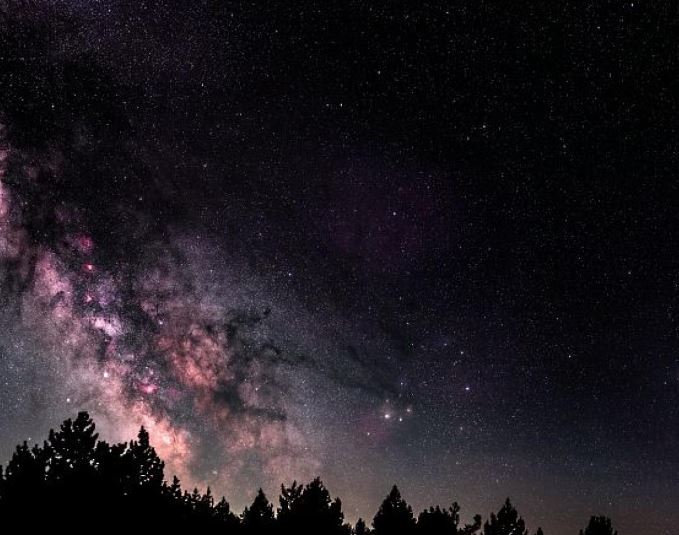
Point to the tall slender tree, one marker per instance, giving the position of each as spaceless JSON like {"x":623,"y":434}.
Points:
{"x":148,"y":468}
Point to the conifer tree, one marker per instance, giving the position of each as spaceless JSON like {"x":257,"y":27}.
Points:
{"x":288,"y":497}
{"x":175,"y":489}
{"x":311,"y":510}
{"x":599,"y":525}
{"x":395,"y":516}
{"x":204,"y":504}
{"x":259,"y":517}
{"x":437,"y":521}
{"x":147,"y":466}
{"x":25,"y":472}
{"x":506,"y":522}
{"x":72,"y":449}
{"x":224,"y":516}
{"x":361,"y":528}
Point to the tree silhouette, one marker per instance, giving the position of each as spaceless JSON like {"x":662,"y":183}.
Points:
{"x":506,"y":522}
{"x":436,"y":520}
{"x":361,"y":528}
{"x":74,"y":480}
{"x":259,"y":517}
{"x":599,"y":525}
{"x":148,"y":472}
{"x":72,"y":450}
{"x":224,"y":516}
{"x":310,"y":510}
{"x":395,"y":516}
{"x":24,"y":478}
{"x":194,"y":499}
{"x":173,"y":499}
{"x":289,"y":495}
{"x":205,"y":504}
{"x":470,"y":529}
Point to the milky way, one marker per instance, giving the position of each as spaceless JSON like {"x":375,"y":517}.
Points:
{"x":432,"y":245}
{"x":170,"y":340}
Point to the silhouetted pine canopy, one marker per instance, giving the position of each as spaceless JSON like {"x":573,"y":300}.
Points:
{"x":599,"y":525}
{"x":77,"y":482}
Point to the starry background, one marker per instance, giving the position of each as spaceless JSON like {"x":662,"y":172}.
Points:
{"x":430,"y":245}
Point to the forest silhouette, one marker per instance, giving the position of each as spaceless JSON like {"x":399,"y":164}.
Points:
{"x":77,"y":482}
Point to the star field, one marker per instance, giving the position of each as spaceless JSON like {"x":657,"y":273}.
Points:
{"x":429,"y":245}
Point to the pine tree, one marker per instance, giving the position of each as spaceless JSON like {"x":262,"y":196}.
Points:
{"x":437,"y":521}
{"x":506,"y":522}
{"x":204,"y":504}
{"x":599,"y":525}
{"x":24,"y":486}
{"x":259,"y":517}
{"x":110,"y":464}
{"x":361,"y":528}
{"x":311,"y":510}
{"x":61,"y":476}
{"x":194,"y":499}
{"x":72,"y":449}
{"x":225,"y":517}
{"x":395,"y":516}
{"x":25,"y":472}
{"x":288,"y":497}
{"x":147,"y":467}
{"x":175,"y":489}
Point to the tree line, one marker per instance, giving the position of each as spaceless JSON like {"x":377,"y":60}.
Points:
{"x":78,"y":482}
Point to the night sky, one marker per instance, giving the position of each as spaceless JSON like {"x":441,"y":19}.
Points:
{"x":432,"y":244}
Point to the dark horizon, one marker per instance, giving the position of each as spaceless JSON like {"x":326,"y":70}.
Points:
{"x":435,"y":241}
{"x":74,"y":471}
